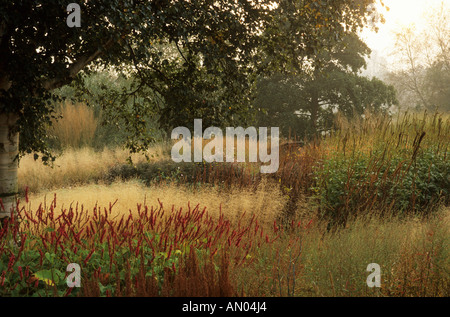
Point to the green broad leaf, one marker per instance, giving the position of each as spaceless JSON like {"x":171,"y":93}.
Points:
{"x":50,"y":277}
{"x":50,"y":256}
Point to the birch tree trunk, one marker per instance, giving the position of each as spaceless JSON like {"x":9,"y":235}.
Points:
{"x":9,"y":149}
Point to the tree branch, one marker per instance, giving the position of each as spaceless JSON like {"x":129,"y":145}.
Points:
{"x":76,"y":67}
{"x":139,"y":72}
{"x":179,"y":50}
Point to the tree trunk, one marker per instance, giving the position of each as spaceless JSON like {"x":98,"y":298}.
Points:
{"x":314,"y":110}
{"x":9,"y":164}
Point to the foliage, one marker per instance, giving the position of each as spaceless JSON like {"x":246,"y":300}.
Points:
{"x":395,"y":171}
{"x":155,"y":251}
{"x":197,"y":55}
{"x":105,"y":92}
{"x":35,"y":253}
{"x":377,"y":182}
{"x":304,"y":104}
{"x":195,"y":173}
{"x":352,"y":185}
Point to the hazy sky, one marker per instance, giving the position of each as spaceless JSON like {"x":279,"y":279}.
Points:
{"x":402,"y":13}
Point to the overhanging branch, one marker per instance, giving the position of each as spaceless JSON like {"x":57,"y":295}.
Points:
{"x":76,"y":67}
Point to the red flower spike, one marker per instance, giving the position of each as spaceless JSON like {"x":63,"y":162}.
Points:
{"x":88,"y":256}
{"x":2,"y":278}
{"x":173,"y":267}
{"x":41,"y":257}
{"x":12,"y":260}
{"x":69,"y":290}
{"x":102,"y":236}
{"x":170,"y":252}
{"x":26,"y":194}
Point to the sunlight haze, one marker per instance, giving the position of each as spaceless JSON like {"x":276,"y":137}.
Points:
{"x":401,"y":14}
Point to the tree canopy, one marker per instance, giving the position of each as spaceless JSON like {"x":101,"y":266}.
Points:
{"x":304,"y":104}
{"x":201,"y":57}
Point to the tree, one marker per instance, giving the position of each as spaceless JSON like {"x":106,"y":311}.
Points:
{"x":107,"y":94}
{"x":226,"y":42}
{"x":305,"y":104}
{"x":423,"y":63}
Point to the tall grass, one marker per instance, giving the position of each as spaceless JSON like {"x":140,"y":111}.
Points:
{"x":76,"y":126}
{"x":75,"y":167}
{"x":372,"y":164}
{"x":389,"y":166}
{"x":376,"y":177}
{"x":397,"y":135}
{"x":412,"y":254}
{"x":265,"y":201}
{"x":162,"y":250}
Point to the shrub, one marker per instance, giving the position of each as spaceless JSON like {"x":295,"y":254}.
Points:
{"x":223,"y":174}
{"x":397,"y":170}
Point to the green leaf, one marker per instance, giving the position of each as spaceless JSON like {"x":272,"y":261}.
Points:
{"x":50,"y":277}
{"x":50,"y":256}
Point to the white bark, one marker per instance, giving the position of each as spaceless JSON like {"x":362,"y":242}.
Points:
{"x":9,"y":149}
